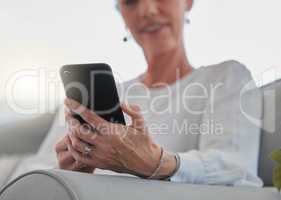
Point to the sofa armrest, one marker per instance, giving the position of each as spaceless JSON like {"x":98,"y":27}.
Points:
{"x":26,"y":136}
{"x":59,"y":184}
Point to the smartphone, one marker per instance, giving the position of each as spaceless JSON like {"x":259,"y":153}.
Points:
{"x":93,"y":86}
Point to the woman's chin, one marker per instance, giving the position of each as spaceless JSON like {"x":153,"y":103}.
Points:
{"x":160,"y":48}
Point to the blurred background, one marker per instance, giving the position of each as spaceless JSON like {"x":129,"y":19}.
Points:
{"x":37,"y":37}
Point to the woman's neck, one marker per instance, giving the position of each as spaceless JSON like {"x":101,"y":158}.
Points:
{"x":166,"y":68}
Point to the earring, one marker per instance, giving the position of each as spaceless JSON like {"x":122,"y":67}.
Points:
{"x":126,"y":38}
{"x":186,"y":19}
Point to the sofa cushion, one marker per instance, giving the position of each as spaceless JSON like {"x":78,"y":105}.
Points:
{"x":24,"y":137}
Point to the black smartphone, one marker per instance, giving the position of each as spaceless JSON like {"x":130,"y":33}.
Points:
{"x":93,"y":86}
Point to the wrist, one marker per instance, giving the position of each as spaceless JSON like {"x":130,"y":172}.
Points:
{"x":167,"y":167}
{"x":155,"y":158}
{"x":163,"y":165}
{"x":147,"y":162}
{"x":159,"y":161}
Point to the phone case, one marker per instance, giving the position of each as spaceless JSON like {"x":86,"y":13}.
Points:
{"x":93,"y":86}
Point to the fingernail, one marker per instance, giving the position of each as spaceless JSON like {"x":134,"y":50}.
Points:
{"x":93,"y":137}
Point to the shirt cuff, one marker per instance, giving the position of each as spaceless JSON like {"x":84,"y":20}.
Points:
{"x":191,"y":169}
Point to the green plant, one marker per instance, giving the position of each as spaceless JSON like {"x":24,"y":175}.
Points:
{"x":276,"y":156}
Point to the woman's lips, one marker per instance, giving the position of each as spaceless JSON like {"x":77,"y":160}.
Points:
{"x":154,"y":28}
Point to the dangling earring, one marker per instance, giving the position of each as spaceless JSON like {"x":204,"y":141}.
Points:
{"x":186,"y":19}
{"x":126,"y":38}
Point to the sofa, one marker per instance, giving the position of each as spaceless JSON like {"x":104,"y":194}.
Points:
{"x":47,"y":184}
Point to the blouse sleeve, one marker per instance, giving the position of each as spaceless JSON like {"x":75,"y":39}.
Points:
{"x":228,"y":151}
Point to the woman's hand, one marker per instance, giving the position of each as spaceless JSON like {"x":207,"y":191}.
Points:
{"x":123,"y":149}
{"x":65,"y":159}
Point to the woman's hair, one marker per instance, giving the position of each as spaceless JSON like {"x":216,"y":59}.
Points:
{"x":118,"y":9}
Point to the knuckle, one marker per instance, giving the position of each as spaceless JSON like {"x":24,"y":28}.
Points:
{"x":103,"y":128}
{"x":73,"y":123}
{"x":75,"y":163}
{"x":78,"y":133}
{"x":134,"y":108}
{"x":87,"y":114}
{"x":76,"y":144}
{"x":79,"y":159}
{"x":93,"y":139}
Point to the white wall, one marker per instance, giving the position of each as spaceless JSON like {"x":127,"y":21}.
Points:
{"x":47,"y":34}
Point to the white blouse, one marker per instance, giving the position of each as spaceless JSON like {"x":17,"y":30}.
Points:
{"x":201,"y":116}
{"x":211,"y":118}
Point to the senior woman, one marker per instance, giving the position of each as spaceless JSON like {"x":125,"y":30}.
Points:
{"x":187,"y":125}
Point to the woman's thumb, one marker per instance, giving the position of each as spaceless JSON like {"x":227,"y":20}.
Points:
{"x":134,"y":112}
